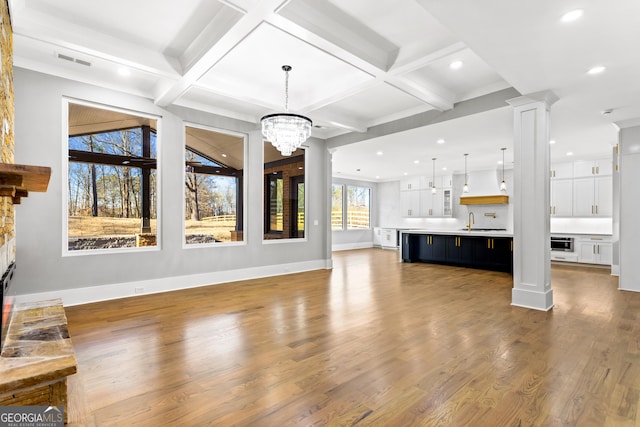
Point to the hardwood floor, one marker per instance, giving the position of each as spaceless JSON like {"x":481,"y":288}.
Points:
{"x":373,"y":342}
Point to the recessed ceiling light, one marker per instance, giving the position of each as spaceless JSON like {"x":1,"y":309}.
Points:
{"x":455,"y":65}
{"x":444,"y":168}
{"x":499,"y":162}
{"x":405,"y":174}
{"x":377,"y":176}
{"x":552,"y":141}
{"x":123,"y":71}
{"x":569,"y":153}
{"x":440,"y":141}
{"x":572,"y":16}
{"x":379,"y":153}
{"x":224,"y":155}
{"x":416,"y":161}
{"x":597,"y":70}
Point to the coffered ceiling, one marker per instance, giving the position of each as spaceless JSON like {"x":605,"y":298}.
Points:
{"x":356,"y":64}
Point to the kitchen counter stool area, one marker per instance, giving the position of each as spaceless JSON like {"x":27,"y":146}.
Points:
{"x":485,"y":252}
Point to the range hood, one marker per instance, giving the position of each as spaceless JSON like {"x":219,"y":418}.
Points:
{"x":484,"y":189}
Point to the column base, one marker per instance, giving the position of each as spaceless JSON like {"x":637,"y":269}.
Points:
{"x":542,"y":301}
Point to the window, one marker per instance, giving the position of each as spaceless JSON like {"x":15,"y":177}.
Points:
{"x":112,"y":180}
{"x":358,"y":207}
{"x":357,"y":201}
{"x":213,"y":186}
{"x":336,"y":207}
{"x":284,"y":194}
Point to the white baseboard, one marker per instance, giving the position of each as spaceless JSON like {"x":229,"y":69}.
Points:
{"x":350,"y":246}
{"x":615,"y":270}
{"x":90,"y":294}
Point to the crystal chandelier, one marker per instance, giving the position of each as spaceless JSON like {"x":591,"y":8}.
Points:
{"x":286,"y":131}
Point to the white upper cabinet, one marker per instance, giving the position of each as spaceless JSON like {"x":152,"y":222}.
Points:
{"x":561,"y":170}
{"x":592,"y":168}
{"x":593,"y":196}
{"x":562,"y":197}
{"x":410,"y":183}
{"x":417,"y":199}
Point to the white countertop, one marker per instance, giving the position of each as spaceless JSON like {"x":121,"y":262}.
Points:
{"x":458,"y":232}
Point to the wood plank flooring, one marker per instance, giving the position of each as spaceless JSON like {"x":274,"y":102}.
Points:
{"x":373,"y":342}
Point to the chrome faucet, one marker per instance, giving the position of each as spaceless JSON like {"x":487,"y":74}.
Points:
{"x":472,"y":220}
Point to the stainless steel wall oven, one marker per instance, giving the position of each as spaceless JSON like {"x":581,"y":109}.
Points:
{"x":564,"y":244}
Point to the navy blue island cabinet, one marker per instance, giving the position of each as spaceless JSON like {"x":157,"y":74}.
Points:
{"x":486,"y":252}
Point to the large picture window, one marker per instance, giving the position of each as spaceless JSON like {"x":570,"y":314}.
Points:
{"x":213,"y":186}
{"x":112,"y":179}
{"x":284,"y":194}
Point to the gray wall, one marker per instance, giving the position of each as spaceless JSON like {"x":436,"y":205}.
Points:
{"x":40,"y":141}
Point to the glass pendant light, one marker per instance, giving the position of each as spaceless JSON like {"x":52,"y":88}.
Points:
{"x":465,"y":189}
{"x":433,"y":180}
{"x":503,"y":184}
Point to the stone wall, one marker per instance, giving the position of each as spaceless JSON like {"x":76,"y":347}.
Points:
{"x":7,"y":230}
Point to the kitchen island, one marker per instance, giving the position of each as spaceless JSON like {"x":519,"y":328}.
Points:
{"x":487,"y":249}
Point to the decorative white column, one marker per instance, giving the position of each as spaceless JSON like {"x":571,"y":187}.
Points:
{"x":531,"y":247}
{"x":629,"y":210}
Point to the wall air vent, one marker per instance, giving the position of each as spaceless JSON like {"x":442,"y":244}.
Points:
{"x":72,"y":59}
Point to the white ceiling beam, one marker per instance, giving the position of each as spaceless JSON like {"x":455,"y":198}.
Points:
{"x":340,"y":122}
{"x":422,"y":61}
{"x":434,"y":95}
{"x":218,"y":49}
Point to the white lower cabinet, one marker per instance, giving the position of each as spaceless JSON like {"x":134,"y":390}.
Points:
{"x":377,"y":236}
{"x":389,"y":238}
{"x":594,"y":250}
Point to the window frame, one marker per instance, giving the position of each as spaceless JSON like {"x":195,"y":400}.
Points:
{"x":345,"y":206}
{"x":66,"y":101}
{"x":245,"y":179}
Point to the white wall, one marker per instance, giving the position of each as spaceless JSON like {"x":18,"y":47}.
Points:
{"x":389,"y":213}
{"x":41,"y":268}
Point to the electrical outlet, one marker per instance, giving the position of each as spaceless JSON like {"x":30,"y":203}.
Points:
{"x":138,"y":290}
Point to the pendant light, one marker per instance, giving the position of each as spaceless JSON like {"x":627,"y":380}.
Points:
{"x":503,"y":184}
{"x":286,"y":131}
{"x":465,"y":189}
{"x":433,"y":180}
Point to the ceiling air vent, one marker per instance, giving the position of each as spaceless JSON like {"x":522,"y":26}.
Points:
{"x":72,"y":59}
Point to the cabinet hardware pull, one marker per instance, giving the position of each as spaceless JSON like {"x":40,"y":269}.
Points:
{"x":492,"y":243}
{"x":596,"y":209}
{"x":597,"y":169}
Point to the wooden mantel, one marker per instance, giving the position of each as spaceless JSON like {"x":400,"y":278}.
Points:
{"x":17,"y":181}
